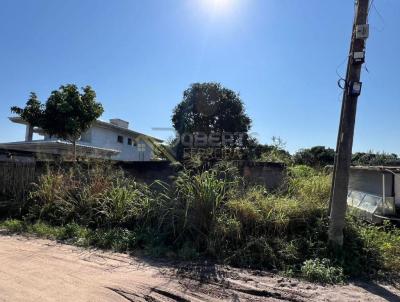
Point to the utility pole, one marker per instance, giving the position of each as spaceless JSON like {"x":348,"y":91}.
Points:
{"x":352,"y":89}
{"x":341,"y":116}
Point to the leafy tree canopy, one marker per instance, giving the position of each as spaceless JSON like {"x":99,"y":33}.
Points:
{"x":32,"y":112}
{"x":210,"y":107}
{"x":375,"y":159}
{"x":69,"y":113}
{"x":66,"y":114}
{"x":318,"y":156}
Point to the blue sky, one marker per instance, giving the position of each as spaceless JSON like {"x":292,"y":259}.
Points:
{"x":139,"y":56}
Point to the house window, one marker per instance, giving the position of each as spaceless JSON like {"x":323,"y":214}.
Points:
{"x":141,"y":147}
{"x":120,"y":139}
{"x":129,"y":141}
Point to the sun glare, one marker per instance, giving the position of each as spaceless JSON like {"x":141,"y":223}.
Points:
{"x":220,"y":6}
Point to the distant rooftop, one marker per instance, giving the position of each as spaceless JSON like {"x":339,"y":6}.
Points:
{"x":61,"y":147}
{"x":114,"y":123}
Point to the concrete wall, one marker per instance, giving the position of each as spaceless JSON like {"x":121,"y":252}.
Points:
{"x":397,"y":189}
{"x":270,"y":175}
{"x":149,"y":171}
{"x":370,"y":181}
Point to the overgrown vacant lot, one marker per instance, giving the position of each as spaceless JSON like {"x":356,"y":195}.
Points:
{"x":209,"y":215}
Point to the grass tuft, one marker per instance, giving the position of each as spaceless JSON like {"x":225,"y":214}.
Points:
{"x":322,"y":271}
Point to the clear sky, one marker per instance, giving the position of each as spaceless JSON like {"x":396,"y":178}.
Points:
{"x":139,"y":56}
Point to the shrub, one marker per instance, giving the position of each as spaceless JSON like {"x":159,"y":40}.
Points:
{"x":195,"y":203}
{"x":322,"y":271}
{"x":13,"y":225}
{"x":49,"y":197}
{"x":273,"y":214}
{"x":121,"y":204}
{"x":97,"y":196}
{"x":370,"y":250}
{"x":117,"y":239}
{"x":305,"y":183}
{"x":188,"y":252}
{"x":285,"y":230}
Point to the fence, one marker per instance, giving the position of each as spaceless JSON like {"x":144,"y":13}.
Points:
{"x":15,"y":180}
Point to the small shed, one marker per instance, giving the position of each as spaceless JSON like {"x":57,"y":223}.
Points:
{"x":374,"y":192}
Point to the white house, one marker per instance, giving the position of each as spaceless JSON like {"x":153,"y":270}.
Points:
{"x":112,"y":140}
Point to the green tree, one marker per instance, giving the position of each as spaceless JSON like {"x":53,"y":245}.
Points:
{"x":211,"y":108}
{"x":375,"y":159}
{"x":32,"y":113}
{"x":318,"y":156}
{"x":275,"y":152}
{"x":67,"y":113}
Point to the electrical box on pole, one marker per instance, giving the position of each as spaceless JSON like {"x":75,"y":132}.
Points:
{"x":358,"y":57}
{"x":362,"y":31}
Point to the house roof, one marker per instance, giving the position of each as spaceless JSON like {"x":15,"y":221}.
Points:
{"x":100,"y":123}
{"x":57,"y":147}
{"x":135,"y":134}
{"x":395,"y":169}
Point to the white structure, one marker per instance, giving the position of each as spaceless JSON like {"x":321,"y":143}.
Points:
{"x":113,"y":140}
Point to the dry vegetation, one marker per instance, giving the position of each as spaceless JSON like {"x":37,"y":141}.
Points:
{"x":208,"y":214}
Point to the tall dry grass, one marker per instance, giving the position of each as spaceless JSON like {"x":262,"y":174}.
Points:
{"x":99,"y":196}
{"x":211,"y":212}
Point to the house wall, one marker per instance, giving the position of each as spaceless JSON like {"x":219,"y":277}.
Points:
{"x":104,"y":135}
{"x":397,"y":189}
{"x":107,"y":138}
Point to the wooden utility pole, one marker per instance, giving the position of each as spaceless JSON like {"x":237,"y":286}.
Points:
{"x":352,"y":89}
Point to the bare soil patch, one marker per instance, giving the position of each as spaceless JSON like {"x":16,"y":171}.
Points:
{"x":34,"y":269}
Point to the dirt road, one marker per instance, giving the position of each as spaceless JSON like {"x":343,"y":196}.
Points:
{"x":42,"y":270}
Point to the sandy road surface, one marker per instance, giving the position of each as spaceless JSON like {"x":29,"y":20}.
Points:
{"x":42,"y":270}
